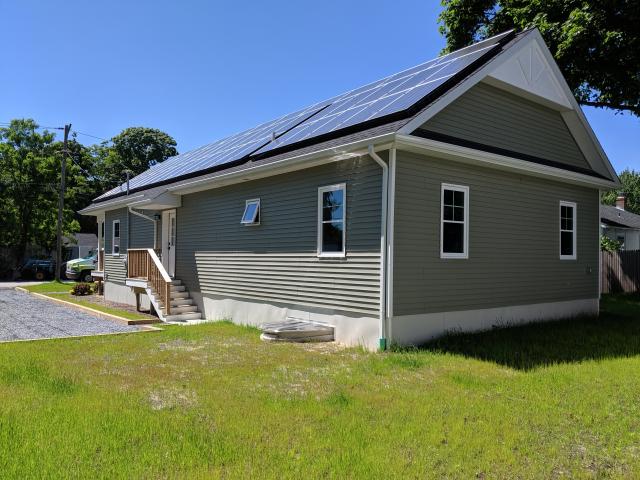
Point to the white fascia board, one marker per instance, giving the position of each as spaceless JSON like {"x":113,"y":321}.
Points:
{"x":501,"y":162}
{"x":290,"y":164}
{"x":99,"y":208}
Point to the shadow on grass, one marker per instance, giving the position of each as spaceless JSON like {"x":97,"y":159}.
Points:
{"x":615,"y":333}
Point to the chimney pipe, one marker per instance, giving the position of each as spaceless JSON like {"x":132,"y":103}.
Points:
{"x":620,"y":201}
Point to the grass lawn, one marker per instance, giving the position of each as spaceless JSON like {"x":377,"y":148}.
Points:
{"x":545,"y":401}
{"x":61,"y":290}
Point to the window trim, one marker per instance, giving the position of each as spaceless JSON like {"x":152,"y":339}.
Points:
{"x":113,"y":237}
{"x":574,"y":255}
{"x":320,"y":222}
{"x":451,"y":255}
{"x":257,"y":215}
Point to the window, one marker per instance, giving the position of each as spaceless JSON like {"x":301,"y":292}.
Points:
{"x":568,"y":231}
{"x":115,"y":244}
{"x":251,"y":215}
{"x":454,"y":228}
{"x":332,"y":205}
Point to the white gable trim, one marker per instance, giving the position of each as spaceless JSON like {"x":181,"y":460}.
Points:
{"x":530,"y":45}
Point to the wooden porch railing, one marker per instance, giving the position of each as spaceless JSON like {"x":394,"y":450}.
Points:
{"x":144,"y":263}
{"x":101,"y":260}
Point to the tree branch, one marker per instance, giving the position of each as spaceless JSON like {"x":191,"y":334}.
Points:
{"x":629,"y":108}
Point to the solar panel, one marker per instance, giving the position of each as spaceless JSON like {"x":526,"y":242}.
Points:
{"x":384,"y":97}
{"x":390,"y":95}
{"x":218,"y":153}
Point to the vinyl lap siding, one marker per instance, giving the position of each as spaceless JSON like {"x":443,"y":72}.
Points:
{"x":513,"y":240}
{"x":114,"y":266}
{"x":494,"y":117}
{"x":141,"y":231}
{"x":115,"y":269}
{"x":276,"y":261}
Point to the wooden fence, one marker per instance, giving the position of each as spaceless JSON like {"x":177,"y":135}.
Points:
{"x":620,"y":271}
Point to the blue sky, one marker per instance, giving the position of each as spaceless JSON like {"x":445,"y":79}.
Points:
{"x":201,"y":70}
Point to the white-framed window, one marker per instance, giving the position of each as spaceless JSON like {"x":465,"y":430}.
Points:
{"x":454,"y":221}
{"x":332,"y":208}
{"x":115,"y":238}
{"x":568,"y":228}
{"x":251,"y":215}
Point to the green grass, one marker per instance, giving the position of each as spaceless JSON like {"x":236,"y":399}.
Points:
{"x":49,"y":287}
{"x":545,"y":401}
{"x":60,"y":290}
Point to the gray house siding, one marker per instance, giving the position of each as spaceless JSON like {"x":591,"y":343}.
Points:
{"x":494,"y":117}
{"x":141,"y":231}
{"x":114,"y":265}
{"x":513,"y":240}
{"x":277,"y":261}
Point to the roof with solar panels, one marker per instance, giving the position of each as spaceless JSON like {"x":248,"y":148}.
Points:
{"x":381,"y":107}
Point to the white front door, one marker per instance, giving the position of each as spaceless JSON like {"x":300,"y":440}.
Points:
{"x":169,"y":241}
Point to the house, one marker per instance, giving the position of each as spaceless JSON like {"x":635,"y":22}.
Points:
{"x":621,"y":225}
{"x":456,"y":195}
{"x":80,"y":245}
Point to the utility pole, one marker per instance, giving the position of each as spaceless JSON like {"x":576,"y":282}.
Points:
{"x":63,"y":172}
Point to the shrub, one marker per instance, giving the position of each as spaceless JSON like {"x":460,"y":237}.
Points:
{"x":609,"y":245}
{"x":81,"y":289}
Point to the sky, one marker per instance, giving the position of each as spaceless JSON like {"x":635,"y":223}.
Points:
{"x":201,"y":70}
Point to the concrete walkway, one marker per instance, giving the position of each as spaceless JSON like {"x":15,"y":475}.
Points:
{"x":25,"y":317}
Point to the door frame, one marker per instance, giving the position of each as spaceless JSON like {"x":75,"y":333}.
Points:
{"x":169,"y":253}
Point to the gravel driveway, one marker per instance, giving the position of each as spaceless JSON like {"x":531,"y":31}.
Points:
{"x":25,"y":317}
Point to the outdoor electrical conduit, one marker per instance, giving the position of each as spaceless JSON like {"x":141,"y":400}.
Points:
{"x":383,"y":247}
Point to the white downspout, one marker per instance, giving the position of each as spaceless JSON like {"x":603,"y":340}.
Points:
{"x":383,"y":247}
{"x":155,"y":225}
{"x":391,"y":208}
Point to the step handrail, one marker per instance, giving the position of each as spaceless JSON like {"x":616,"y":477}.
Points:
{"x":153,"y":270}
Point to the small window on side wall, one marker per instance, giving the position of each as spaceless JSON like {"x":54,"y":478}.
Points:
{"x":568,"y":228}
{"x":332,"y":207}
{"x":251,"y":215}
{"x":454,"y":224}
{"x":115,"y":238}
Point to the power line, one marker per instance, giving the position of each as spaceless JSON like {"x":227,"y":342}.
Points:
{"x":92,"y":136}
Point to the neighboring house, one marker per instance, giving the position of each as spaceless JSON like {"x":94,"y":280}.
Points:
{"x":620,"y":225}
{"x":80,"y":245}
{"x":457,"y":195}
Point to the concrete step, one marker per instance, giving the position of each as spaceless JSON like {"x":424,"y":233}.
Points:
{"x":183,"y":309}
{"x":183,"y":294}
{"x":178,"y":288}
{"x":183,"y":317}
{"x":178,"y":302}
{"x":175,"y":281}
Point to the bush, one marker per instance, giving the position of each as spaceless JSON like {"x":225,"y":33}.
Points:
{"x":81,"y":289}
{"x":609,"y":245}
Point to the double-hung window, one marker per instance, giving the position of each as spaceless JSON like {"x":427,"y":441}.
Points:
{"x":568,"y":226}
{"x":115,"y":238}
{"x":454,"y":227}
{"x":332,"y":207}
{"x":251,"y":215}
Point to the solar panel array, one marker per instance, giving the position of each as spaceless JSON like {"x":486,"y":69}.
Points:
{"x":390,"y":95}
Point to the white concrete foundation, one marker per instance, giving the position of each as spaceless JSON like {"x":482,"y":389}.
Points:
{"x":349,"y":330}
{"x":417,"y":329}
{"x":123,"y":294}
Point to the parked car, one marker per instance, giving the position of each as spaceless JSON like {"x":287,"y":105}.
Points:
{"x":37,"y":268}
{"x":80,"y":269}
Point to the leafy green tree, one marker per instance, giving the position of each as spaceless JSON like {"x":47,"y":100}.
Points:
{"x":135,"y":149}
{"x":29,"y":187}
{"x":609,"y":245}
{"x":630,"y":180}
{"x":596,"y":43}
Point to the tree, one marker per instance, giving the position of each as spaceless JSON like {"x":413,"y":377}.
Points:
{"x":135,"y":149}
{"x":29,"y":187}
{"x":596,"y":43}
{"x":630,"y":180}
